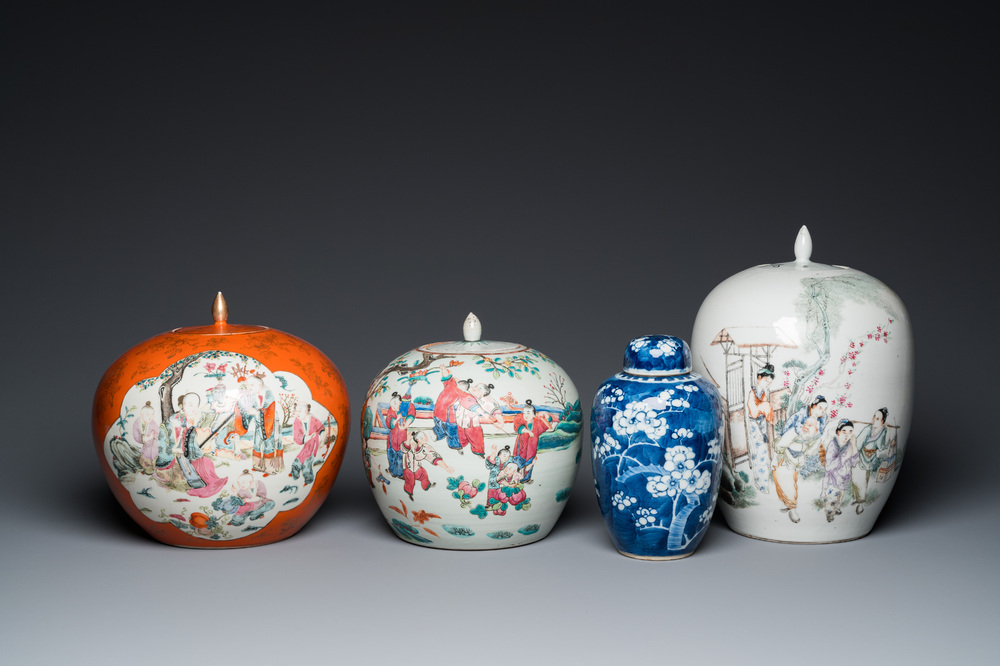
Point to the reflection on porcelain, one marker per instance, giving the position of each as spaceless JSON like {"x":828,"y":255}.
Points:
{"x":471,"y":445}
{"x":815,"y":364}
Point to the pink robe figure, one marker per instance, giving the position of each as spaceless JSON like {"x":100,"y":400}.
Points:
{"x":308,"y":437}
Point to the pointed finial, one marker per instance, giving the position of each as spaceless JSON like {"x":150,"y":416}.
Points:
{"x":803,"y":246}
{"x":220,"y":311}
{"x":472,"y":329}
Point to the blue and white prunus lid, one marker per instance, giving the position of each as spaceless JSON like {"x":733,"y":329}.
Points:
{"x":657,"y":356}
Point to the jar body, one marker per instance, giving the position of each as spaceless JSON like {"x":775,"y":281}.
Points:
{"x":815,"y":365}
{"x":221,"y":440}
{"x":471,"y":450}
{"x":656,"y":456}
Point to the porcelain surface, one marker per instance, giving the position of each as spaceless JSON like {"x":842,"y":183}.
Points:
{"x":221,"y":436}
{"x":657,"y":432}
{"x":815,"y":365}
{"x":472,"y":444}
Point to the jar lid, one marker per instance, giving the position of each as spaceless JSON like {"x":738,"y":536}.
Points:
{"x":472,"y":331}
{"x":220,"y":313}
{"x":657,"y":356}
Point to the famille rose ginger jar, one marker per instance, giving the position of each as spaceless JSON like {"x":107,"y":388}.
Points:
{"x":221,"y":436}
{"x":471,"y":445}
{"x":815,"y":365}
{"x":657,"y":430}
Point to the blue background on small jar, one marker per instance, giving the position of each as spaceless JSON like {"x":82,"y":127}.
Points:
{"x":649,"y":510}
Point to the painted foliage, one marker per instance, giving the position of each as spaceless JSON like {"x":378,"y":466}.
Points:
{"x":217,"y":444}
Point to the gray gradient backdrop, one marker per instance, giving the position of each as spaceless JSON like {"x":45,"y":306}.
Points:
{"x":362,"y":177}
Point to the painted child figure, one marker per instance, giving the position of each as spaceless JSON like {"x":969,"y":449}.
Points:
{"x":445,"y":425}
{"x":145,"y":432}
{"x":399,"y":417}
{"x":415,"y":451}
{"x":249,"y":499}
{"x":306,"y":432}
{"x":471,"y":412}
{"x":503,"y":488}
{"x":838,"y":458}
{"x":529,"y":426}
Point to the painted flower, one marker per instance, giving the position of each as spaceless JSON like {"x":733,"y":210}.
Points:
{"x":639,"y":343}
{"x":606,"y":446}
{"x":714,"y":448}
{"x":614,"y":394}
{"x":682,"y":433}
{"x":663,"y":346}
{"x":640,"y":417}
{"x":678,"y":458}
{"x":622,"y":501}
{"x":645,"y":517}
{"x":698,"y":481}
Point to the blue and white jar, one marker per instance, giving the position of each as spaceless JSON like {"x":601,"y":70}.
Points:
{"x":657,"y":431}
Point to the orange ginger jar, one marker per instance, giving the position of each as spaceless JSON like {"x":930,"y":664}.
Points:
{"x":221,"y":436}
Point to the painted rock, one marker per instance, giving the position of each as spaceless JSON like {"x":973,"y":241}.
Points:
{"x":221,"y":436}
{"x":657,"y":430}
{"x":471,"y":445}
{"x":815,"y":365}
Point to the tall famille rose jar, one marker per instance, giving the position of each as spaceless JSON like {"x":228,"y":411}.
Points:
{"x":221,"y":436}
{"x":471,"y":445}
{"x":815,"y":365}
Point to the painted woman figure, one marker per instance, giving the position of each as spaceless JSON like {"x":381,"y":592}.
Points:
{"x":255,"y":411}
{"x":759,"y":415}
{"x":306,"y":432}
{"x":873,"y":446}
{"x":181,"y":464}
{"x":399,"y":417}
{"x":801,"y":434}
{"x":145,"y":432}
{"x":445,"y":426}
{"x":528,"y":426}
{"x":838,"y":458}
{"x":415,"y":451}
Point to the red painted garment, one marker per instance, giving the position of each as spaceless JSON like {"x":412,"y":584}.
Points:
{"x":398,"y":426}
{"x":526,"y":444}
{"x":447,"y":398}
{"x":268,"y":417}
